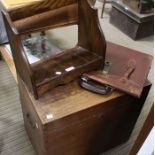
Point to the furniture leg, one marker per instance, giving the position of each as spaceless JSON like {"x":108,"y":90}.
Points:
{"x":103,"y":8}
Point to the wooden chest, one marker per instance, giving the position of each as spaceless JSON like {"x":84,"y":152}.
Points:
{"x":134,"y":24}
{"x":72,"y":121}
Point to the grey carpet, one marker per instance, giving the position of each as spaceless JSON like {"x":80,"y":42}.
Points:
{"x":13,"y":138}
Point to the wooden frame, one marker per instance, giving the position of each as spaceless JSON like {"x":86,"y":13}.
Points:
{"x":91,"y":41}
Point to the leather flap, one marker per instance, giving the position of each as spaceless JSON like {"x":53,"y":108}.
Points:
{"x":128,"y":71}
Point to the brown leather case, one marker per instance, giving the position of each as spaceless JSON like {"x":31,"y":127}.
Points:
{"x":128,"y":72}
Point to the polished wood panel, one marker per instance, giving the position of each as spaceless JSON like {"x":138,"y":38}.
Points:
{"x":40,"y":7}
{"x":90,"y":36}
{"x":51,"y":17}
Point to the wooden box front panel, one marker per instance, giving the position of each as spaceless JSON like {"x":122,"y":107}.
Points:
{"x":96,"y":129}
{"x":87,"y":132}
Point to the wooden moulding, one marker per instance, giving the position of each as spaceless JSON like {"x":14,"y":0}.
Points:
{"x":88,"y":54}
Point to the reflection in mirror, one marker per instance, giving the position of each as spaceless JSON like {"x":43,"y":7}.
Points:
{"x":46,"y":44}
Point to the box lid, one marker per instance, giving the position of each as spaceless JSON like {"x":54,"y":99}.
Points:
{"x":64,"y":101}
